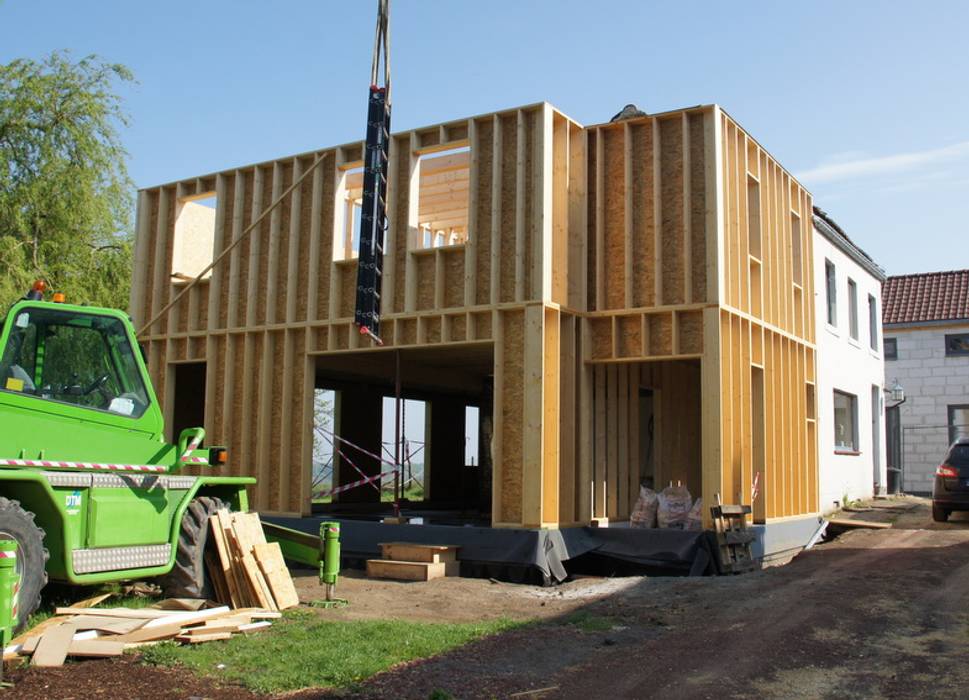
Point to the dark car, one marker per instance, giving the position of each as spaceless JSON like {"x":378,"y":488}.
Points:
{"x":951,"y":488}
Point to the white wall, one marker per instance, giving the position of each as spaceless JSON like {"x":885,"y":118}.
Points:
{"x":853,"y":367}
{"x":932,"y":383}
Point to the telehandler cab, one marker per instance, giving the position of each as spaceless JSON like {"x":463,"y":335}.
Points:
{"x":89,"y":488}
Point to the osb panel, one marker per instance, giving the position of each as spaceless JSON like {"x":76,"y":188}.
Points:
{"x":660,"y":334}
{"x":453,"y":277}
{"x":341,"y":336}
{"x":238,"y":425}
{"x":240,"y":302}
{"x":458,"y":328}
{"x":275,"y":436}
{"x":327,"y":214}
{"x":591,"y":222}
{"x":615,"y":220}
{"x":630,"y":340}
{"x":482,"y":325}
{"x":671,"y":190}
{"x":262,"y":236}
{"x":147,"y":310}
{"x":223,"y":239}
{"x":401,"y":181}
{"x":512,"y":419}
{"x":432,"y":329}
{"x":215,"y":375}
{"x":691,"y":332}
{"x":347,"y":272}
{"x":601,"y":331}
{"x":643,"y":228}
{"x":166,"y":269}
{"x":293,"y":498}
{"x":484,"y":148}
{"x":426,"y":278}
{"x":407,"y":331}
{"x":281,"y":247}
{"x":302,"y":282}
{"x":533,"y":214}
{"x":698,"y":205}
{"x":509,"y":204}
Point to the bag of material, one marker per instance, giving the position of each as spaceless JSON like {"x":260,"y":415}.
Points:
{"x":644,"y":512}
{"x":674,"y":503}
{"x":694,"y":519}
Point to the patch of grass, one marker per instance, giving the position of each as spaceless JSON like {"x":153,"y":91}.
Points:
{"x":588,"y":622}
{"x":304,"y":651}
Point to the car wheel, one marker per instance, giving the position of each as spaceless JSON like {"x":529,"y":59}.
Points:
{"x":939,"y":514}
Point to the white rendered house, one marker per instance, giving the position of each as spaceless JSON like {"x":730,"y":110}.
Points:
{"x":851,"y":400}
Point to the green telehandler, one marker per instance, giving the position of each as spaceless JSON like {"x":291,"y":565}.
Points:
{"x":90,"y":490}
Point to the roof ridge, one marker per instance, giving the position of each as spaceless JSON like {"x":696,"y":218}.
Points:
{"x":928,"y":274}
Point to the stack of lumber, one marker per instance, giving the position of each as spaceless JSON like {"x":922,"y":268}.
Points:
{"x":244,"y":569}
{"x":86,"y":631}
{"x":409,"y":561}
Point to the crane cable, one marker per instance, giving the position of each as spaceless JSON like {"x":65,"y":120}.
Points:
{"x":381,"y":46}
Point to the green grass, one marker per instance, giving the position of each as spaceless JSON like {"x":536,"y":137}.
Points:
{"x":588,"y":622}
{"x":304,"y":651}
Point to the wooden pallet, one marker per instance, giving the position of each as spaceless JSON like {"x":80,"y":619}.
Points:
{"x":733,"y":539}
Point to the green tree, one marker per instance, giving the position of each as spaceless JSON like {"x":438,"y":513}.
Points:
{"x":65,"y":207}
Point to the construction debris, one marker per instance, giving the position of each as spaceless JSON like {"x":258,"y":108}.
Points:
{"x":251,"y":584}
{"x":247,"y":571}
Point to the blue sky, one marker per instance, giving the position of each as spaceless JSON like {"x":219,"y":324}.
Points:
{"x":865,"y":101}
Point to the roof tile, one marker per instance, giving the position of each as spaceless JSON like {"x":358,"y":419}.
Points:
{"x":927,"y":296}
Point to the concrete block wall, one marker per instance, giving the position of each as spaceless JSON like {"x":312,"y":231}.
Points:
{"x":932,"y":383}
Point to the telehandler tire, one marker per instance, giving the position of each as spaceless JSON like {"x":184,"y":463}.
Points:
{"x":18,"y":524}
{"x":187,"y":578}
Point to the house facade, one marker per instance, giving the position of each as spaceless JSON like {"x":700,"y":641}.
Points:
{"x":850,"y":367}
{"x":625,"y":303}
{"x":926,"y":326}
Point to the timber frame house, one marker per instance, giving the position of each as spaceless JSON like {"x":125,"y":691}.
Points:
{"x":563,"y":278}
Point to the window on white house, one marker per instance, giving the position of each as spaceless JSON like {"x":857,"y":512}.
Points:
{"x":958,"y":422}
{"x":853,"y":308}
{"x":873,"y":322}
{"x":845,"y":422}
{"x":831,"y":289}
{"x":890,"y":346}
{"x":956,"y":344}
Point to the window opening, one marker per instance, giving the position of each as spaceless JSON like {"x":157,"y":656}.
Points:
{"x":193,"y":248}
{"x":956,"y":344}
{"x":845,"y":422}
{"x":188,"y":409}
{"x":873,"y":322}
{"x":853,"y":308}
{"x":831,"y":290}
{"x":753,"y":217}
{"x":796,"y":248}
{"x":472,"y":417}
{"x":413,"y":437}
{"x":324,"y":403}
{"x":958,"y":422}
{"x":890,"y":348}
{"x":349,"y":205}
{"x":443,"y":179}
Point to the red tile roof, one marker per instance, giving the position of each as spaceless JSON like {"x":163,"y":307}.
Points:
{"x":928,"y":296}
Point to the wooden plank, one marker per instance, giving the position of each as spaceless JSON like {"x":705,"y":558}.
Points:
{"x":428,"y":553}
{"x":95,"y":648}
{"x":218,"y":525}
{"x":280,"y":583}
{"x":91,"y":602}
{"x":111,"y":625}
{"x":216,"y":576}
{"x":53,"y":645}
{"x":202,"y":638}
{"x":859,"y":524}
{"x":129,"y":613}
{"x":405,"y":570}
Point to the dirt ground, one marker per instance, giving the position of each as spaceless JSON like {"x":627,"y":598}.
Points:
{"x":875,"y":613}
